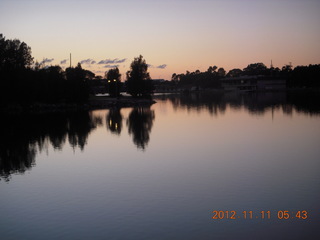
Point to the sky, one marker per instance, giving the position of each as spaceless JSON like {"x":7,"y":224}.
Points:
{"x":173,"y":36}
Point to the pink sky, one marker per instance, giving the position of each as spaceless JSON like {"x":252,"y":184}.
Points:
{"x":173,"y":36}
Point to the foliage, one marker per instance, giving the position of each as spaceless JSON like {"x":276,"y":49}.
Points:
{"x":208,"y":79}
{"x":299,"y":77}
{"x":77,"y":86}
{"x":304,"y":76}
{"x":138,"y":79}
{"x":114,"y":81}
{"x":14,"y":55}
{"x":19,"y":83}
{"x":255,"y":69}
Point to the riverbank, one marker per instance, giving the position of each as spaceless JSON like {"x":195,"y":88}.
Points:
{"x":93,"y":103}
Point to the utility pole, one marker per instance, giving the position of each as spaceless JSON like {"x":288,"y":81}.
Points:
{"x":70,"y":60}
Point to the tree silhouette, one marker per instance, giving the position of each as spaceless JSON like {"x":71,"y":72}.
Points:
{"x":14,"y":55}
{"x":236,"y":72}
{"x":256,"y":69}
{"x":114,"y":78}
{"x":138,"y":79}
{"x":221,"y":72}
{"x":78,"y":89}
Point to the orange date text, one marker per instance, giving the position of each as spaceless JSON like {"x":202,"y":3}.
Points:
{"x":281,"y":214}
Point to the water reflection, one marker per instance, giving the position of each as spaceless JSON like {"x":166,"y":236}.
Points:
{"x":114,"y":121}
{"x":256,"y":103}
{"x":139,"y":124}
{"x":22,"y":136}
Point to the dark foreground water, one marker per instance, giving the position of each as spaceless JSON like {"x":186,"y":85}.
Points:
{"x":190,"y":167}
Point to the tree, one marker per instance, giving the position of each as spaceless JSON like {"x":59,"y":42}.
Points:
{"x":15,"y":62}
{"x":14,"y":55}
{"x":78,"y":89}
{"x":89,"y":75}
{"x":138,"y":79}
{"x":236,"y":72}
{"x":255,"y":69}
{"x":221,"y":72}
{"x":174,"y":77}
{"x":212,"y":69}
{"x":114,"y":79}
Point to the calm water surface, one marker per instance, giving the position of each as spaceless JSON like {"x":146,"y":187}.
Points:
{"x":160,"y":172}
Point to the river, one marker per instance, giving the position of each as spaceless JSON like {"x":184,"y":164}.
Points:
{"x":196,"y":166}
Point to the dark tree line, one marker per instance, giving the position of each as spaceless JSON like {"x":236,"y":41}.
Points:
{"x":300,"y":76}
{"x":305,"y":76}
{"x":208,"y":79}
{"x":21,"y":82}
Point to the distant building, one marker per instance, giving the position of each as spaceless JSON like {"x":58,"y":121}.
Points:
{"x":252,"y":83}
{"x":271,"y":84}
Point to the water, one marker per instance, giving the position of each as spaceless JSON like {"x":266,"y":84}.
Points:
{"x":160,"y":172}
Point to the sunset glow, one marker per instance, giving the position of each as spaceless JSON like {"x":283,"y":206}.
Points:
{"x":173,"y":36}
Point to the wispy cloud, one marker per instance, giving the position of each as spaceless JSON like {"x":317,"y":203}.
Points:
{"x":110,"y":66}
{"x":163,"y":66}
{"x":46,"y":60}
{"x":88,"y":61}
{"x":64,"y":61}
{"x":112,"y":61}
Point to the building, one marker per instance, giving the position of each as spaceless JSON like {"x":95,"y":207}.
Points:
{"x":252,"y":83}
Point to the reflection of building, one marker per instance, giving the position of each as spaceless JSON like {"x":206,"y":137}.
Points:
{"x":252,"y":83}
{"x":271,"y":84}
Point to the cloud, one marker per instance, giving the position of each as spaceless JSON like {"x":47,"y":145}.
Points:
{"x":112,"y":61}
{"x":163,"y":66}
{"x":46,"y":60}
{"x":64,"y":61}
{"x":110,"y":66}
{"x":88,"y":61}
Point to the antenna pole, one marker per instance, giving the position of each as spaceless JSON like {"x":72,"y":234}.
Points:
{"x":70,"y":60}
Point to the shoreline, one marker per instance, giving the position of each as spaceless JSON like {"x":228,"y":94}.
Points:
{"x":106,"y":102}
{"x":94,"y":103}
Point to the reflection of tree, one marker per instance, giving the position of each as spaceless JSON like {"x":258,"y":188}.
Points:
{"x":80,"y":126}
{"x":15,"y":158}
{"x":23,"y":136}
{"x":255,"y":102}
{"x":114,"y":120}
{"x":140,"y":123}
